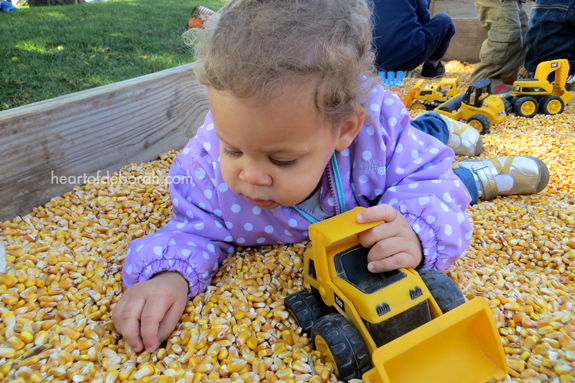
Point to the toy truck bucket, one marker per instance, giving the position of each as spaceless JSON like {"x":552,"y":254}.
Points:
{"x":460,"y":346}
{"x":408,"y":100}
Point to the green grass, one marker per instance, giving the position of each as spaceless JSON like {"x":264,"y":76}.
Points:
{"x":52,"y":51}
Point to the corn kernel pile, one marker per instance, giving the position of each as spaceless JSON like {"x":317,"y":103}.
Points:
{"x":64,"y":277}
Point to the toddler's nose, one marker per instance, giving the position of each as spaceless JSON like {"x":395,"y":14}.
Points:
{"x":253,"y":176}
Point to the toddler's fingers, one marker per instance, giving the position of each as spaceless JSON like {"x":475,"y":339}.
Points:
{"x":379,"y":233}
{"x":386,"y":248}
{"x":383,"y":212}
{"x":393,"y":262}
{"x":171,"y":319}
{"x":152,"y":315}
{"x":128,"y":318}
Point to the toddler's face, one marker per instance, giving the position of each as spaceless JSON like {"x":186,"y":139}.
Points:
{"x":274,"y":152}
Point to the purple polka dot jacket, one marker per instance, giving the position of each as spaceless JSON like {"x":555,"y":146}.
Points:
{"x":389,"y":162}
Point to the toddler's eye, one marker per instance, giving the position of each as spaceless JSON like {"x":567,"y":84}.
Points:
{"x":282,"y":163}
{"x":232,"y":153}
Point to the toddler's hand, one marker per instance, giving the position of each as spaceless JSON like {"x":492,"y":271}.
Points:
{"x":393,"y":243}
{"x":148,"y":311}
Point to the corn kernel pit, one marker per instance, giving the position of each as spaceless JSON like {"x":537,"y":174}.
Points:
{"x":64,"y":264}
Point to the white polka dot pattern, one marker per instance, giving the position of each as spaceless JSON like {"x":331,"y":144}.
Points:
{"x":389,"y":162}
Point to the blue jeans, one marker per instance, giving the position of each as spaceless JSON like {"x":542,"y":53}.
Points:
{"x":434,"y":125}
{"x":436,"y":37}
{"x":551,"y":34}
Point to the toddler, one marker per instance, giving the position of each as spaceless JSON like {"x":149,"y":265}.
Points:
{"x":298,"y":131}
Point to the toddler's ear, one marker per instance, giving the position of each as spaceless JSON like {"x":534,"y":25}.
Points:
{"x":349,"y":129}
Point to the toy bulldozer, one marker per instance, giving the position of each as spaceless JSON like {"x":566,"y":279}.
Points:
{"x":532,"y":95}
{"x":431,"y":96}
{"x":478,"y":106}
{"x":394,"y":327}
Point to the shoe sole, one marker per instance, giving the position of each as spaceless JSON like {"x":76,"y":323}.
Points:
{"x":478,"y":147}
{"x":544,"y":179}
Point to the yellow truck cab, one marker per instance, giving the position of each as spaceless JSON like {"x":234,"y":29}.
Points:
{"x":401,"y":326}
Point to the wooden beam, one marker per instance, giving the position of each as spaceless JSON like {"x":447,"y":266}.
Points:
{"x":102,"y":129}
{"x":466,"y":43}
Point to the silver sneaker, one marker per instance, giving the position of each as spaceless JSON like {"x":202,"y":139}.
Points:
{"x":463,"y":138}
{"x":530,"y":175}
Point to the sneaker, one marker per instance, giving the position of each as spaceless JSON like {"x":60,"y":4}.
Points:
{"x":432,"y":71}
{"x":463,"y":138}
{"x":508,"y":175}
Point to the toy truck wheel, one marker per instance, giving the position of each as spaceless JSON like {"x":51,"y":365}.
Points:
{"x":552,"y":105}
{"x":443,"y":289}
{"x":508,"y":106}
{"x":526,"y":107}
{"x":341,"y":345}
{"x":305,"y":308}
{"x":480,"y":123}
{"x":418,"y":107}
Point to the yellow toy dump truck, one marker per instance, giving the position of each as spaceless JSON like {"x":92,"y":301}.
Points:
{"x":431,"y":96}
{"x":478,"y":106}
{"x":394,"y":327}
{"x":532,"y":95}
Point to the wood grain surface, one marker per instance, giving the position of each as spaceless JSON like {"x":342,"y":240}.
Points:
{"x":102,"y":129}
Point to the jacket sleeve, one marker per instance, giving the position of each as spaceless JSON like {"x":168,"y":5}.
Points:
{"x":421,"y":184}
{"x":195,"y":240}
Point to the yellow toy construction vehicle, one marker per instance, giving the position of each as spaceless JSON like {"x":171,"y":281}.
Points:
{"x":431,"y":96}
{"x":478,"y":106}
{"x":394,"y":327}
{"x":532,"y":95}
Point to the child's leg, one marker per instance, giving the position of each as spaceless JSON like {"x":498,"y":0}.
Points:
{"x":437,"y":34}
{"x":432,"y":124}
{"x":504,"y":50}
{"x":508,"y":175}
{"x":460,"y":137}
{"x":440,"y":25}
{"x":550,"y":35}
{"x":438,"y":126}
{"x":466,"y":176}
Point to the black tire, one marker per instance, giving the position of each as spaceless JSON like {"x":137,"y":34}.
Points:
{"x":520,"y":107}
{"x":442,"y":289}
{"x":345,"y":345}
{"x":317,"y":295}
{"x":549,"y":103}
{"x":480,"y":123}
{"x":508,"y":106}
{"x":305,"y":308}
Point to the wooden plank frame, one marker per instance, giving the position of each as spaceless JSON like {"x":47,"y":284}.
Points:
{"x":466,"y":43}
{"x":101,"y":129}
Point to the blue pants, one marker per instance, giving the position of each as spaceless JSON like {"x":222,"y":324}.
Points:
{"x":551,"y":34}
{"x":434,"y":125}
{"x":436,"y":36}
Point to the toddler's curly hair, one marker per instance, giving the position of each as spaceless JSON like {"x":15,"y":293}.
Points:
{"x":255,"y":46}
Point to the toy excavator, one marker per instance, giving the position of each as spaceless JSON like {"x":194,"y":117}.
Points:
{"x":431,"y":96}
{"x":532,"y":95}
{"x":394,"y":327}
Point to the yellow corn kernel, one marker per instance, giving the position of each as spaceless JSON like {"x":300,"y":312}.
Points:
{"x":6,"y":352}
